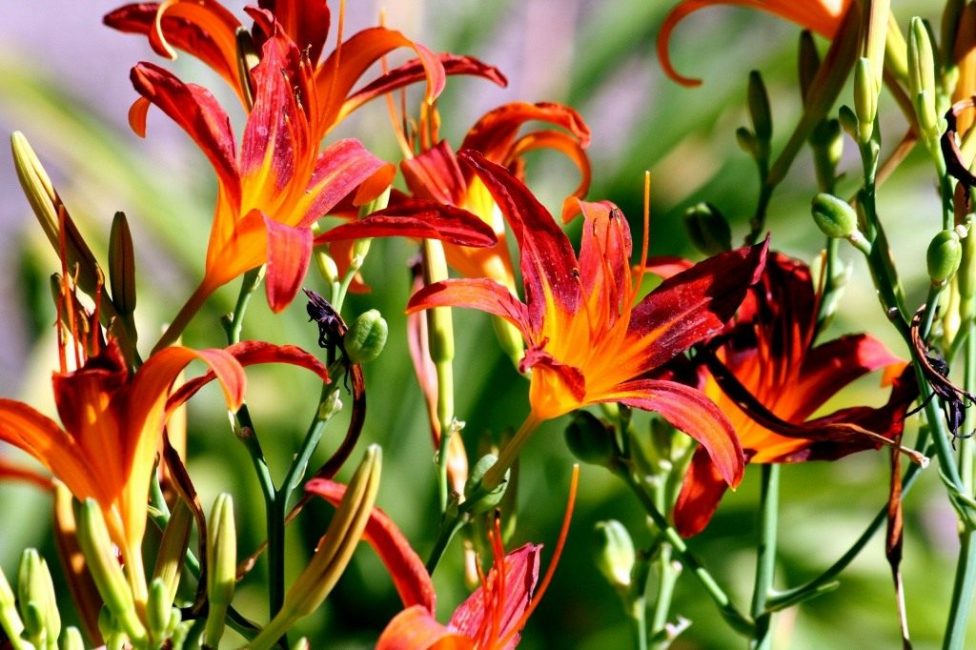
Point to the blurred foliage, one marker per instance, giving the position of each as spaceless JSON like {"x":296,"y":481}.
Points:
{"x":640,"y":121}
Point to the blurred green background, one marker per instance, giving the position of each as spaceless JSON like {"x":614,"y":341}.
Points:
{"x":63,"y":81}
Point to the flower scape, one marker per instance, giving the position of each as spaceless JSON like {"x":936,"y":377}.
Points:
{"x":497,"y":392}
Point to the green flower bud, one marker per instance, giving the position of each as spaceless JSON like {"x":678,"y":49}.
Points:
{"x":476,"y":503}
{"x":172,"y":548}
{"x":848,"y":121}
{"x":35,"y":588}
{"x":967,"y":266}
{"x":221,"y":566}
{"x":747,"y":141}
{"x":158,"y":609}
{"x":943,"y":256}
{"x":326,"y":265}
{"x":615,"y":556}
{"x":72,"y":639}
{"x":866,"y":89}
{"x":590,"y":440}
{"x":708,"y":229}
{"x":122,"y":266}
{"x":35,"y":628}
{"x":301,"y":644}
{"x":366,"y":337}
{"x":9,"y":616}
{"x":97,"y":547}
{"x":834,"y":216}
{"x":762,"y":118}
{"x":827,"y":142}
{"x":921,"y":62}
{"x":809,"y":62}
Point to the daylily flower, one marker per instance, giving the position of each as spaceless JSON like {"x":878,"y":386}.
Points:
{"x":820,"y":16}
{"x":111,"y":422}
{"x":771,"y":353}
{"x":587,"y":340}
{"x":207,"y":30}
{"x":279,"y":184}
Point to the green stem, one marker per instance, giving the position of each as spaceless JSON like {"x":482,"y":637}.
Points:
{"x":445,"y":416}
{"x":638,"y":621}
{"x":496,"y":473}
{"x":248,"y":284}
{"x":183,"y":318}
{"x":766,"y":555}
{"x":738,"y":621}
{"x":669,"y":572}
{"x":451,"y":523}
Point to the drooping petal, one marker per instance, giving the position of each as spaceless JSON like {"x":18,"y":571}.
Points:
{"x":549,"y":270}
{"x":521,"y":573}
{"x":204,"y":29}
{"x":415,"y":628}
{"x":13,"y":472}
{"x":420,"y":219}
{"x":413,"y":71}
{"x":306,"y":22}
{"x":494,"y":135}
{"x":198,"y":113}
{"x":289,"y":252}
{"x":484,"y":295}
{"x":695,"y":304}
{"x":248,"y":353}
{"x":409,"y":574}
{"x":335,"y":78}
{"x":690,"y":411}
{"x":564,"y":143}
{"x":343,"y":168}
{"x":700,"y":494}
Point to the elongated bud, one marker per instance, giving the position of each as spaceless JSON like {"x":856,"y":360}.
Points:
{"x":440,"y":326}
{"x":590,"y":440}
{"x":475,"y":503}
{"x":326,"y":265}
{"x":967,"y":271}
{"x":122,"y":265}
{"x":158,"y":609}
{"x":510,"y":340}
{"x":10,"y":619}
{"x":827,"y":142}
{"x":105,"y":570}
{"x":848,"y":121}
{"x":614,"y":554}
{"x":34,"y":627}
{"x":221,"y":566}
{"x":301,"y":644}
{"x":747,"y":141}
{"x":834,"y":216}
{"x":762,"y":117}
{"x":172,"y":548}
{"x":866,"y":89}
{"x":943,"y":257}
{"x":878,"y":13}
{"x":35,"y":587}
{"x":340,"y":540}
{"x":72,"y":639}
{"x":921,"y":82}
{"x":809,"y":62}
{"x":708,"y":229}
{"x":366,"y":337}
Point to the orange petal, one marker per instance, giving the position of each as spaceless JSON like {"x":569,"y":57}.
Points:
{"x":416,"y":629}
{"x":482,"y":294}
{"x":289,"y":252}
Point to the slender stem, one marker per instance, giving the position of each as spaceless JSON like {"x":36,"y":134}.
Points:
{"x":638,"y":620}
{"x":785,"y":599}
{"x":496,"y":473}
{"x":183,"y":318}
{"x":738,"y":621}
{"x":964,"y":585}
{"x":246,"y":434}
{"x":766,"y":554}
{"x":669,"y":572}
{"x":451,"y":523}
{"x":445,"y":416}
{"x":248,"y":284}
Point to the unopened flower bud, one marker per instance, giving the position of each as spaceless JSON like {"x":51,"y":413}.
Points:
{"x":9,"y":617}
{"x":477,"y":502}
{"x":827,"y":142}
{"x":590,"y":440}
{"x":158,"y":609}
{"x":221,"y":566}
{"x":943,"y":256}
{"x":809,"y":62}
{"x":327,"y":267}
{"x":172,"y":548}
{"x":72,"y":639}
{"x":34,"y":627}
{"x":301,"y":644}
{"x":35,"y":587}
{"x":834,"y":216}
{"x":366,"y":337}
{"x":105,"y":570}
{"x":866,"y":90}
{"x":762,"y":118}
{"x":848,"y":121}
{"x":967,"y":267}
{"x":708,"y":229}
{"x":615,"y":554}
{"x":122,"y":265}
{"x":747,"y":141}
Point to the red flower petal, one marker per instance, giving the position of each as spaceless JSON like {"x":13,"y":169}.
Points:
{"x":342,"y":168}
{"x":495,"y":133}
{"x":406,"y":568}
{"x":289,"y":252}
{"x":435,"y":175}
{"x":482,"y":294}
{"x":421,"y":219}
{"x":306,"y":22}
{"x":690,"y":411}
{"x":700,"y":494}
{"x":415,"y":628}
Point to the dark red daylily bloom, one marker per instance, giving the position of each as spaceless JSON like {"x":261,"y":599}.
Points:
{"x":587,"y":340}
{"x":207,"y":30}
{"x":770,"y":352}
{"x":434,"y":176}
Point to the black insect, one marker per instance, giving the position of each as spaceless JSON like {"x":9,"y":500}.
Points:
{"x":331,"y":326}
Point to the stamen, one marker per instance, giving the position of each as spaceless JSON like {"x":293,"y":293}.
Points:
{"x":66,"y":281}
{"x":551,"y":570}
{"x":645,"y":243}
{"x":398,"y":121}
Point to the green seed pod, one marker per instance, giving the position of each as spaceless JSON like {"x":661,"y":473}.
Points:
{"x":943,"y":256}
{"x":590,"y":440}
{"x":366,"y":337}
{"x":708,"y":229}
{"x":834,"y":216}
{"x":615,"y":554}
{"x":475,"y":504}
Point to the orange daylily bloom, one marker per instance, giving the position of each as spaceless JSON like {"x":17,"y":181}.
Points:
{"x":112,"y":426}
{"x":207,"y":30}
{"x":820,"y":16}
{"x":588,"y":342}
{"x":770,"y":352}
